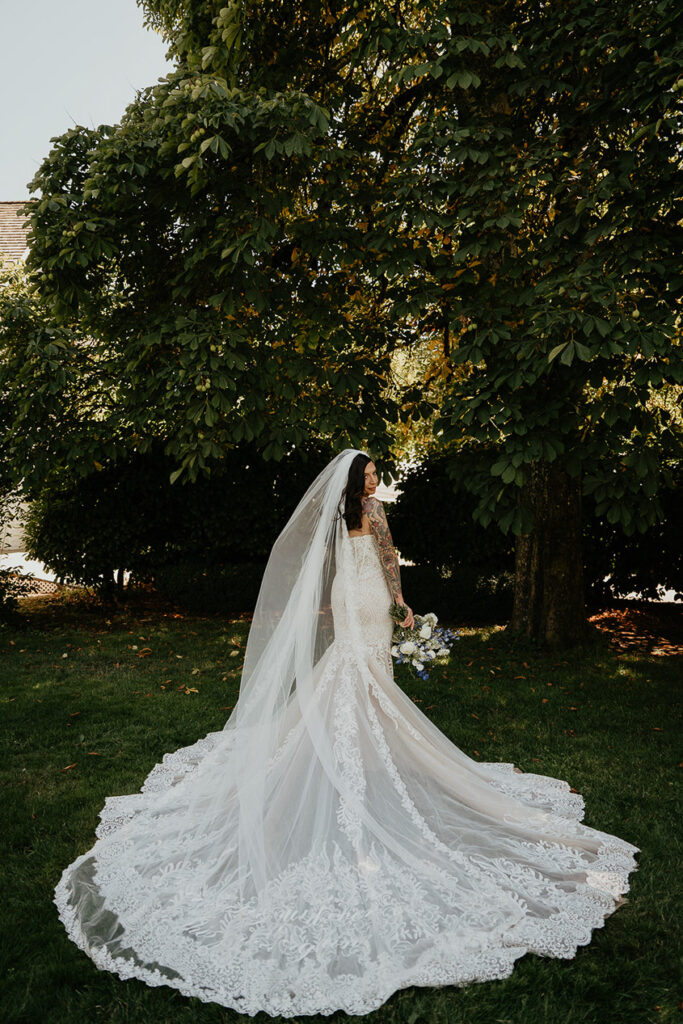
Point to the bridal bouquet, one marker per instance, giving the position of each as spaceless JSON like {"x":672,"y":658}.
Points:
{"x":425,"y":642}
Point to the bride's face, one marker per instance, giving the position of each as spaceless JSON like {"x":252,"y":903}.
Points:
{"x":370,"y":479}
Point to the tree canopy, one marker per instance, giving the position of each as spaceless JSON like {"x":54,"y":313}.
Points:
{"x":320,"y":184}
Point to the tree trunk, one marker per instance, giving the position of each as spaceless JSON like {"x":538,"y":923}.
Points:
{"x":549,"y":597}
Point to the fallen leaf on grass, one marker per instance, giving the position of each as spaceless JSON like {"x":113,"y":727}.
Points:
{"x":94,"y":753}
{"x":70,"y":766}
{"x":145,"y":652}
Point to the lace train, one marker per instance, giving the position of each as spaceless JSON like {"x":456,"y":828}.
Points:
{"x":434,"y":869}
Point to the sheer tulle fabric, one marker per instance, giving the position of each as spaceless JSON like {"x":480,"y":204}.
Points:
{"x":330,"y":845}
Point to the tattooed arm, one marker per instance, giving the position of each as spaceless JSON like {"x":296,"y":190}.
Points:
{"x":374,"y":509}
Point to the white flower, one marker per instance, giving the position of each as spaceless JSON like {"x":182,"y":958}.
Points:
{"x":443,"y":652}
{"x":431,"y":654}
{"x":407,"y":647}
{"x":418,"y":664}
{"x":394,"y":651}
{"x":432,"y":618}
{"x":426,"y":631}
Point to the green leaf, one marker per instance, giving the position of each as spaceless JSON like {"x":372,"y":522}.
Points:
{"x":567,"y":356}
{"x":556,"y":351}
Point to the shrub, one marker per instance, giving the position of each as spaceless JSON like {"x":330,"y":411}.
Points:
{"x":469,"y":570}
{"x":432,"y":521}
{"x":462,"y":569}
{"x":128,"y":516}
{"x":642,"y":562}
{"x":89,"y":529}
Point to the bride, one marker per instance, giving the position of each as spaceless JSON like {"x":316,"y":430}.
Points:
{"x":330,"y":845}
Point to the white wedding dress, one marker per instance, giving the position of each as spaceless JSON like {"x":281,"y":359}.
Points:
{"x":378,"y":854}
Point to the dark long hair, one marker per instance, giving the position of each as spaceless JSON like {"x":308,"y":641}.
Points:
{"x":352,"y":495}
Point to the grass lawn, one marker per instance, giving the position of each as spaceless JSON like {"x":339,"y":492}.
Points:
{"x":91,"y":704}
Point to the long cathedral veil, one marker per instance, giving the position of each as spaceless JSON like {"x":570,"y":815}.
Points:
{"x":290,"y":631}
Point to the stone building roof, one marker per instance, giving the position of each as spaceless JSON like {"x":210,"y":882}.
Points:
{"x":13,"y":231}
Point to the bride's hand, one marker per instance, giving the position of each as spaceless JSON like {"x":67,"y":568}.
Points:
{"x":409,"y":620}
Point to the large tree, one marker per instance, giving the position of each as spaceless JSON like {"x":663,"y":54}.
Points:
{"x":174,"y":255}
{"x":322,"y":182}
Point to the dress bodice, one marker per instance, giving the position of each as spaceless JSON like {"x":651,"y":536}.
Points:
{"x":366,"y":557}
{"x":370,"y":595}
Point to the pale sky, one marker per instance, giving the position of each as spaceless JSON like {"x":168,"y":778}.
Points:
{"x":67,"y":62}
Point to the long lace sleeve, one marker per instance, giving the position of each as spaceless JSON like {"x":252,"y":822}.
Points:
{"x":387,"y":553}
